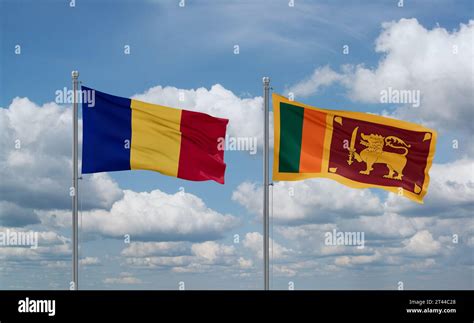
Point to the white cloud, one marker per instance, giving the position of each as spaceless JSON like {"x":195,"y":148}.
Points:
{"x":254,"y":242}
{"x":421,"y":265}
{"x":179,"y":253}
{"x":58,"y":264}
{"x":12,"y":214}
{"x":397,"y":231}
{"x":152,"y":216}
{"x":357,"y":260}
{"x":124,"y":279}
{"x":436,"y":62}
{"x":321,"y":77}
{"x":245,"y":263}
{"x":157,"y":262}
{"x":314,"y":200}
{"x":421,"y":244}
{"x":40,"y":253}
{"x":147,"y":249}
{"x":387,"y":225}
{"x":182,"y":257}
{"x":210,"y":251}
{"x":450,"y":193}
{"x":390,"y":240}
{"x":35,"y":162}
{"x":309,"y":240}
{"x":102,"y":188}
{"x":284,"y":270}
{"x":89,"y":261}
{"x":51,"y":247}
{"x":159,"y":216}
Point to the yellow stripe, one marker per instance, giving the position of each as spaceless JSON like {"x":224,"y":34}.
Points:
{"x":156,"y":138}
{"x":327,"y":143}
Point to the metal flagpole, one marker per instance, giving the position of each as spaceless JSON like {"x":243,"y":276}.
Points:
{"x":266,"y":217}
{"x":75,"y":246}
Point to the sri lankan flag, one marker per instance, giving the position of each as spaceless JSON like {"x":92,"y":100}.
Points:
{"x":124,"y":134}
{"x":356,"y":149}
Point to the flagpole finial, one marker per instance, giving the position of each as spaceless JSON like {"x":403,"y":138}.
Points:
{"x":266,"y":80}
{"x":75,"y":74}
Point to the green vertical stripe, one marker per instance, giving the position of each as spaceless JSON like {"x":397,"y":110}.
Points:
{"x":291,"y":132}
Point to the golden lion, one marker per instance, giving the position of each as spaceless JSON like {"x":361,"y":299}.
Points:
{"x":374,"y":153}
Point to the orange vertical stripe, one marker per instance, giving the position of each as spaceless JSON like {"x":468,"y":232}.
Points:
{"x":314,"y":128}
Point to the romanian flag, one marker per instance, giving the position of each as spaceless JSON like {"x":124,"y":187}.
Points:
{"x":124,"y":134}
{"x":356,"y":149}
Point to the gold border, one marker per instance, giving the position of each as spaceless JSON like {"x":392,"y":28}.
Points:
{"x":276,"y":99}
{"x":327,"y":143}
{"x":277,"y":176}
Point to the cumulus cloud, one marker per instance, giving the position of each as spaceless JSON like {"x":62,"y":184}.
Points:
{"x":35,"y":164}
{"x":310,"y":240}
{"x":123,"y":279}
{"x":399,"y":248}
{"x":51,"y":247}
{"x":185,"y":257}
{"x":387,"y":226}
{"x":422,"y":244}
{"x":316,"y":200}
{"x":357,"y":260}
{"x":397,"y":231}
{"x":321,"y":77}
{"x":152,"y":216}
{"x":450,"y":193}
{"x":254,"y":242}
{"x":390,"y":240}
{"x":149,"y":249}
{"x":245,"y":263}
{"x":12,"y":214}
{"x":171,"y":263}
{"x":90,"y":261}
{"x":436,"y":62}
{"x":210,"y":251}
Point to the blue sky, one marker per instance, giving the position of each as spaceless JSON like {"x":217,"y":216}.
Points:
{"x":192,"y":47}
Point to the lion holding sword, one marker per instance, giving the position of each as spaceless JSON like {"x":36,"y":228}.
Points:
{"x":374,"y":153}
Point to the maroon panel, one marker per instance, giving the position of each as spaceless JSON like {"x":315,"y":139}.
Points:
{"x":416,"y":158}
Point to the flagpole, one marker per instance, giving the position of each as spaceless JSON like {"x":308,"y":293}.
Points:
{"x":75,"y":245}
{"x":266,"y":218}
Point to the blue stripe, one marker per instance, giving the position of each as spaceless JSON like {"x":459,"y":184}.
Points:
{"x":106,"y":127}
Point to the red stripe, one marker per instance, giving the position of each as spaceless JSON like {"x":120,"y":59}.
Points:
{"x":199,"y":158}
